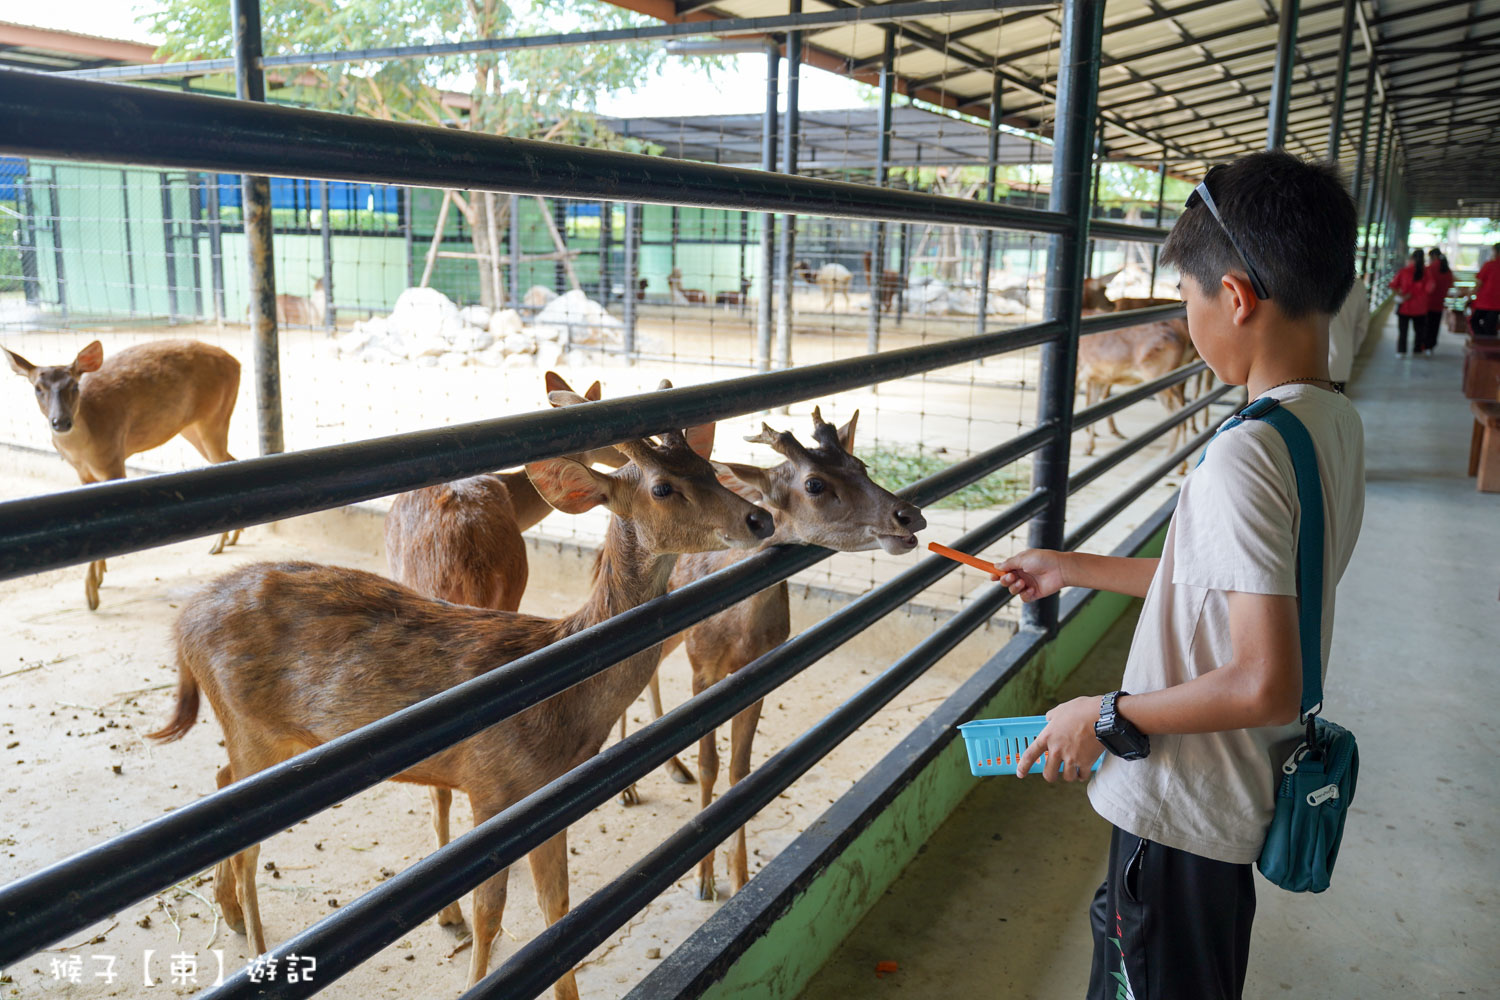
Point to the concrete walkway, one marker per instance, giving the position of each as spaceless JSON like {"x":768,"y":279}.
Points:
{"x":996,"y":906}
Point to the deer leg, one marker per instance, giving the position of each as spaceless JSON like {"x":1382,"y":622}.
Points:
{"x":549,"y":870}
{"x":224,"y":877}
{"x":676,"y":769}
{"x":708,"y":773}
{"x":1090,"y":433}
{"x":243,"y":864}
{"x":489,"y":907}
{"x":629,"y":795}
{"x":741,"y":741}
{"x":442,"y":803}
{"x":211,"y":440}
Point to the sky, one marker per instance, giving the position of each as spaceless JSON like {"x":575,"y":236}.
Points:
{"x":679,"y":90}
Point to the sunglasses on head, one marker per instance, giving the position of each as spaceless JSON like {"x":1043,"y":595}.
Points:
{"x":1202,"y":195}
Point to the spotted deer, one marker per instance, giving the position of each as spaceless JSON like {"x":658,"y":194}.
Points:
{"x":102,"y":411}
{"x":292,"y":655}
{"x":821,"y":495}
{"x":461,"y":542}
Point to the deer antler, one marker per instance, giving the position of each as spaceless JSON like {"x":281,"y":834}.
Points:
{"x":824,"y":433}
{"x":783,"y":442}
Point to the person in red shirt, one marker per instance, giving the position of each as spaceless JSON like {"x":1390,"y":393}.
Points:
{"x":1439,"y":281}
{"x":1411,"y":288}
{"x":1487,"y":296}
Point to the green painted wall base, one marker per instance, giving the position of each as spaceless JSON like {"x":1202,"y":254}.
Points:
{"x":779,"y":965}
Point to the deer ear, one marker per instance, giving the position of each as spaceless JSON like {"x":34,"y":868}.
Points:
{"x":594,"y":392}
{"x":569,"y":486}
{"x":18,"y":364}
{"x":749,"y":481}
{"x":700,"y":439}
{"x":556,"y":383}
{"x":89,"y":359}
{"x":564,"y":397}
{"x":846,"y":434}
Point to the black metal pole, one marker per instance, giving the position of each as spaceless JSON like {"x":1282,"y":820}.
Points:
{"x":1281,"y":80}
{"x":987,"y":238}
{"x":1364,"y":136}
{"x":882,"y":156}
{"x":1161,"y":197}
{"x":515,"y":251}
{"x":1336,"y":125}
{"x":216,"y":247}
{"x":129,"y":242}
{"x":409,"y":236}
{"x":1098,"y":172}
{"x":1373,"y":195}
{"x":632,"y":240}
{"x":169,"y":245}
{"x":788,"y":234}
{"x":250,"y":85}
{"x":1077,"y":92}
{"x":326,"y":226}
{"x":606,"y":238}
{"x":764,"y":307}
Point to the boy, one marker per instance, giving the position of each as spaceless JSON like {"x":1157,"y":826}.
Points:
{"x":1214,"y":672}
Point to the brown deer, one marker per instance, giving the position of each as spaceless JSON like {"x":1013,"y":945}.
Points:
{"x":102,"y":412}
{"x":300,"y":310}
{"x":461,"y":542}
{"x":730,"y":300}
{"x":1131,"y":356}
{"x":292,"y":655}
{"x":820,"y":496}
{"x":890,"y":283}
{"x":834,"y":279}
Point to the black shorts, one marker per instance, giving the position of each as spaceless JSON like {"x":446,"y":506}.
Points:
{"x":1169,"y":925}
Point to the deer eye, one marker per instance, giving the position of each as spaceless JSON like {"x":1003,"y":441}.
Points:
{"x":661,"y":490}
{"x":814,"y":486}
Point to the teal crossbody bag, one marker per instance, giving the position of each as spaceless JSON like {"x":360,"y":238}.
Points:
{"x":1315,"y":785}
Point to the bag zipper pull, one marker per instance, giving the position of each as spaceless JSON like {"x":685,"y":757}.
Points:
{"x":1317,"y":798}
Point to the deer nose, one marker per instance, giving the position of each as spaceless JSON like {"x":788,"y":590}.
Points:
{"x":760,"y":523}
{"x":62,"y":424}
{"x":910,"y":518}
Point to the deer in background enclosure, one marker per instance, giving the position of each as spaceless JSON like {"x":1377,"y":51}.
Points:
{"x":821,"y":495}
{"x":834,"y":279}
{"x":1131,"y":356}
{"x":890,"y":283}
{"x":461,"y":542}
{"x":738,"y":299}
{"x":300,"y":310}
{"x":292,"y":655}
{"x":684,"y":296}
{"x":103,"y":411}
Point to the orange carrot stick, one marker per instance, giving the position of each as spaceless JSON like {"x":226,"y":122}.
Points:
{"x":963,"y":557}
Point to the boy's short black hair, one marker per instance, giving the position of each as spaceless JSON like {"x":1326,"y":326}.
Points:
{"x":1295,"y":221}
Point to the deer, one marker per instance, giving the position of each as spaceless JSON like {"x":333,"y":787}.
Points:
{"x":684,"y":296}
{"x":103,"y":411}
{"x":299,"y":310}
{"x":821,"y":495}
{"x":730,"y":300}
{"x":461,"y":542}
{"x":833,"y":278}
{"x":1131,"y":356}
{"x":890,"y":283}
{"x":292,"y":655}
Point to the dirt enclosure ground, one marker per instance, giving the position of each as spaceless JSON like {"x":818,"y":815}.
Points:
{"x":78,"y":690}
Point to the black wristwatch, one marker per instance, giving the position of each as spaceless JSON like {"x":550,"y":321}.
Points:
{"x":1117,"y":733}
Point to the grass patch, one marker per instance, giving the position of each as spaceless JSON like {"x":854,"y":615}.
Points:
{"x":895,"y":467}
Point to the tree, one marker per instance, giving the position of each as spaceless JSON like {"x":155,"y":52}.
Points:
{"x":544,"y":93}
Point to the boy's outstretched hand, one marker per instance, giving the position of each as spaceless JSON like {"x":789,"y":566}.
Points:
{"x":1033,"y":574}
{"x":1068,"y":740}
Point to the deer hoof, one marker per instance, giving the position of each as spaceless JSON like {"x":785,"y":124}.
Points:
{"x":219,"y":545}
{"x":679,"y":773}
{"x":629,"y":796}
{"x":450,"y":915}
{"x":91,"y":594}
{"x":707,"y":890}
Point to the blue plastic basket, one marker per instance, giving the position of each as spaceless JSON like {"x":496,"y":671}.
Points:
{"x":995,"y":745}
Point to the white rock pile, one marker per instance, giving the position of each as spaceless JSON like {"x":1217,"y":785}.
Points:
{"x":428,"y":330}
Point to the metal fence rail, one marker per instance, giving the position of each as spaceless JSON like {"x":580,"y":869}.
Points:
{"x":173,"y":130}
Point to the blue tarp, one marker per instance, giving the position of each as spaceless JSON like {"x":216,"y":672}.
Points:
{"x":11,"y":169}
{"x":300,"y":194}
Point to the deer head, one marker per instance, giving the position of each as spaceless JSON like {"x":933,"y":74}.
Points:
{"x":823,"y":495}
{"x":668,"y":491}
{"x":57,"y":386}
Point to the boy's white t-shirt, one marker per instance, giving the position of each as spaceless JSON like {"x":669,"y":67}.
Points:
{"x":1235,"y":529}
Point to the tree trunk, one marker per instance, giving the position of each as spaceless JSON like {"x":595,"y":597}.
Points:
{"x":491,"y":293}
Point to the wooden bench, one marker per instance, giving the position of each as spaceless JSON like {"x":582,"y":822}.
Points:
{"x":1484,"y":446}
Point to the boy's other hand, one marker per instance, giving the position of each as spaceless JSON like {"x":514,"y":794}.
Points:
{"x":1033,"y":574}
{"x":1068,"y":740}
